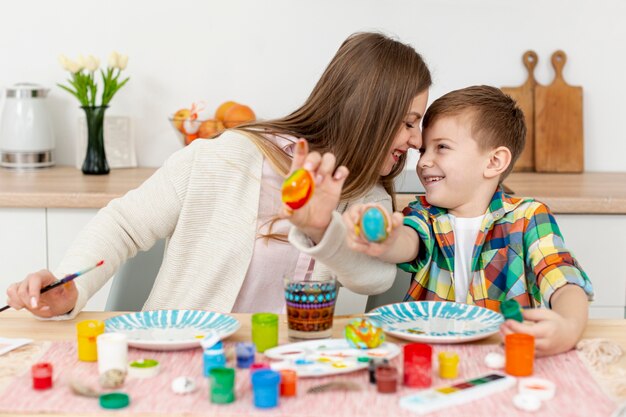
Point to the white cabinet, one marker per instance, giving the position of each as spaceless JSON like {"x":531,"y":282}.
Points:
{"x":599,"y":244}
{"x":22,"y":245}
{"x":63,"y":227}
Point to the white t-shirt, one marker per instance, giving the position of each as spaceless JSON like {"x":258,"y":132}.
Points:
{"x":465,"y":232}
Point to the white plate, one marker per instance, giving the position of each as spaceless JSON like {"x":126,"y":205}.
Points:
{"x":326,"y":357}
{"x":436,"y":321}
{"x":171,"y":329}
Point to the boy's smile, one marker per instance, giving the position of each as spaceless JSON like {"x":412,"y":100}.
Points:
{"x":452,"y":167}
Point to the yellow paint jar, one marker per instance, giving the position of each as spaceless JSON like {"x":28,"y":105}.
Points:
{"x":87,"y":332}
{"x":448,"y":365}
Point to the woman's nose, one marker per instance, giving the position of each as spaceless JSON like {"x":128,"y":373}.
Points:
{"x":415,"y":141}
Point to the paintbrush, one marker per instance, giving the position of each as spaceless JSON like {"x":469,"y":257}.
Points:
{"x":62,"y":281}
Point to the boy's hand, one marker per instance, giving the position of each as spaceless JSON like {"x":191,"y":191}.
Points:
{"x":553,"y":333}
{"x":26,"y":294}
{"x":314,"y":217}
{"x":351,"y":219}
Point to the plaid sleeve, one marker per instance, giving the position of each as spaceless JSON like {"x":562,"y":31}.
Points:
{"x":552,"y":264}
{"x":416,"y":217}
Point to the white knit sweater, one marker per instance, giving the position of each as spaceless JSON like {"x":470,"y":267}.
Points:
{"x":204,"y":200}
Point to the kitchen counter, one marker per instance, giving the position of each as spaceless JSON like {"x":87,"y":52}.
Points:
{"x":67,"y":187}
{"x":586,"y":193}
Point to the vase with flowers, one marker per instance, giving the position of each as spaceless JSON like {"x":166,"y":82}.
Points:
{"x":82,"y":85}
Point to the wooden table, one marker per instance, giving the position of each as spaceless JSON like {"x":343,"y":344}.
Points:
{"x":19,"y":324}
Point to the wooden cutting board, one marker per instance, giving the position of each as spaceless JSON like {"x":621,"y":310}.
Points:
{"x":525,"y":97}
{"x":559,"y":123}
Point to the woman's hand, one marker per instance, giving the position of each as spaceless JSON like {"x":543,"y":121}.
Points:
{"x":357,"y":242}
{"x":26,"y":294}
{"x":314,"y":217}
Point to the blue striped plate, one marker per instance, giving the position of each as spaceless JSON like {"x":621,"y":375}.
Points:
{"x":171,"y":329}
{"x":436,"y":321}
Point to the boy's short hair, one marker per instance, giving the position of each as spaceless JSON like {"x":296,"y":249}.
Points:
{"x":496,"y":118}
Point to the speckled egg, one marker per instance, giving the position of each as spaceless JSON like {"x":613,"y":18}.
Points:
{"x":373,"y":225}
{"x":362,"y":334}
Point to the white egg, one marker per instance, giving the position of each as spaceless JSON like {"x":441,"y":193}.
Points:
{"x":494,"y":360}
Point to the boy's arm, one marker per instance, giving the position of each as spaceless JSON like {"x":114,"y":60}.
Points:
{"x":556,"y":330}
{"x":404,"y":248}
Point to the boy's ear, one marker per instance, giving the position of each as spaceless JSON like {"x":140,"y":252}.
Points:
{"x":499,"y":161}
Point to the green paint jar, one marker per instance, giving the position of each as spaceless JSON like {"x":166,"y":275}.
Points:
{"x":264,"y":331}
{"x":222,"y":385}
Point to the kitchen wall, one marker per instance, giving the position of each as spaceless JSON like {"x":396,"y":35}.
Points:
{"x":269,"y":54}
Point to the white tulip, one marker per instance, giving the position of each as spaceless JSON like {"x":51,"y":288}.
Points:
{"x":122,"y":61}
{"x":63,"y":60}
{"x":113,"y":59}
{"x":73,"y":67}
{"x":81,"y":61}
{"x":92,"y":63}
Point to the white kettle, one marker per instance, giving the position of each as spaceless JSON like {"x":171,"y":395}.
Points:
{"x":26,"y":134}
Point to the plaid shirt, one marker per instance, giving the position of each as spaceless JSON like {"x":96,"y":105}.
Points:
{"x":519,"y":253}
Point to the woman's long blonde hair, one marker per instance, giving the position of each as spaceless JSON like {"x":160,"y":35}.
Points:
{"x":354,"y":111}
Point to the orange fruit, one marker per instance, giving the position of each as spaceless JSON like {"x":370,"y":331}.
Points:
{"x":210,"y":127}
{"x":238,"y":114}
{"x":179,"y":117}
{"x":223,"y":108}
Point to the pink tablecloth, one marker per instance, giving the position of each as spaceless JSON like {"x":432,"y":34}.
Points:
{"x":577,"y":393}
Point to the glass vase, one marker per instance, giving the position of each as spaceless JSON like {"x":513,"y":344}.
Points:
{"x":95,"y":159}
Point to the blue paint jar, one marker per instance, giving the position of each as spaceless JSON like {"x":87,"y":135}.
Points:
{"x":265,"y":387}
{"x":245,"y":354}
{"x":213,"y":357}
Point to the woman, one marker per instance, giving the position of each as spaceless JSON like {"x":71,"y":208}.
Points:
{"x":218,"y":201}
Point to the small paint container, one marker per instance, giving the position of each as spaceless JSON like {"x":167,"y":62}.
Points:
{"x":114,"y":400}
{"x":386,"y":379}
{"x":448,"y":365}
{"x":87,"y":332}
{"x":222,"y":386}
{"x":371,"y":368}
{"x":264,"y":331}
{"x":112,"y":351}
{"x":42,"y":375}
{"x":245,"y":354}
{"x":265,"y":384}
{"x":418,"y":365}
{"x":540,"y":388}
{"x":288,"y":383}
{"x":144,"y":368}
{"x":519,"y":350}
{"x":512,"y":310}
{"x":213,"y":357}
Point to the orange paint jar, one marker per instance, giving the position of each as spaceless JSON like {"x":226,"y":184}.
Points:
{"x":520,"y":354}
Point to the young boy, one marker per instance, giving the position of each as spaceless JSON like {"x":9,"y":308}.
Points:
{"x":467,"y":241}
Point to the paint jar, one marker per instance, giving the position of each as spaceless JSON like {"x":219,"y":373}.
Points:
{"x":288,"y":383}
{"x":448,"y":365}
{"x":265,"y":384}
{"x":386,"y":379}
{"x":418,"y":365}
{"x":213,"y":357}
{"x":87,"y":332}
{"x":310,"y":306}
{"x":519,"y":350}
{"x":42,"y":375}
{"x":222,"y":386}
{"x":264,"y":331}
{"x":112,"y":352}
{"x":245,"y":354}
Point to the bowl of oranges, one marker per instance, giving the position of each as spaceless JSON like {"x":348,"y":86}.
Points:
{"x":191,"y":123}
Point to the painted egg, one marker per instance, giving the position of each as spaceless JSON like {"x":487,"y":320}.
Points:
{"x":362,"y":334}
{"x":298,"y":188}
{"x":373,"y":225}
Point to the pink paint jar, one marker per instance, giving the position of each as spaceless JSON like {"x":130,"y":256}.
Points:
{"x":418,"y":365}
{"x":386,"y":379}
